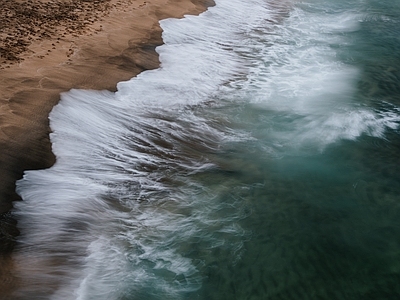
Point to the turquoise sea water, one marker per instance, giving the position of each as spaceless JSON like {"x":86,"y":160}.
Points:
{"x":259,"y":162}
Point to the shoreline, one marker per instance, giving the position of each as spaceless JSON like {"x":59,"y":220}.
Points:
{"x":118,"y":45}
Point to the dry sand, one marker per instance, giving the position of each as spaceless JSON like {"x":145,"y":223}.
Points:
{"x":51,"y":46}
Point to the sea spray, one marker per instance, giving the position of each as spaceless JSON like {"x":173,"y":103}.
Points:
{"x":116,"y":212}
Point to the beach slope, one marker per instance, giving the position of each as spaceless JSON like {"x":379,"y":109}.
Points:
{"x":48,"y":47}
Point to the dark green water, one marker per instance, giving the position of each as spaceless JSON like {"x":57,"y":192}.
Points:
{"x":322,"y":227}
{"x":323,"y":222}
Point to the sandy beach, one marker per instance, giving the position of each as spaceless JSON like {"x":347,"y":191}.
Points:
{"x":48,"y":47}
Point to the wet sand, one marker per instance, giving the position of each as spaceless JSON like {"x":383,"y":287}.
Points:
{"x":48,"y":47}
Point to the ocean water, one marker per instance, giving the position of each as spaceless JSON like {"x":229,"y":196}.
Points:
{"x":260,"y":161}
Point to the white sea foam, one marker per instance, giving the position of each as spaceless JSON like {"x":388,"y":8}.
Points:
{"x":297,"y":73}
{"x":116,"y":213}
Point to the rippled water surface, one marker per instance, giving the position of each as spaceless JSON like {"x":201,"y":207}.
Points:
{"x":259,"y":162}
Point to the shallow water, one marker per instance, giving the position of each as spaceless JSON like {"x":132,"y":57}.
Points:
{"x":259,"y":162}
